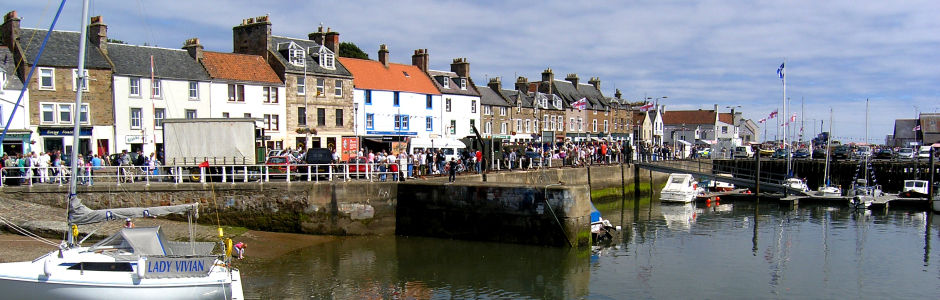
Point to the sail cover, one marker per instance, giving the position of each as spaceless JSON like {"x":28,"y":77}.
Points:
{"x":146,"y":241}
{"x":80,"y":214}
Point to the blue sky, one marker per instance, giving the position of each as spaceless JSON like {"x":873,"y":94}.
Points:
{"x":696,"y":53}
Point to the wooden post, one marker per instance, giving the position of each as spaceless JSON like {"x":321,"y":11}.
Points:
{"x":623,"y":186}
{"x":930,"y":184}
{"x":636,"y":182}
{"x":757,"y":175}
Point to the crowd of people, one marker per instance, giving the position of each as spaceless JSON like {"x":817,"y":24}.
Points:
{"x":54,"y":167}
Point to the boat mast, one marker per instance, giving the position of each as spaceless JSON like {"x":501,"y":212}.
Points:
{"x":828,"y":147}
{"x":77,"y":111}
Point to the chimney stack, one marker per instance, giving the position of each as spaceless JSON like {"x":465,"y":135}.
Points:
{"x":461,"y":67}
{"x":596,"y":82}
{"x":573,"y":78}
{"x":98,"y":33}
{"x":332,"y":41}
{"x":495,"y":84}
{"x":617,"y":94}
{"x":383,"y":55}
{"x":548,"y":76}
{"x":522,"y":84}
{"x":317,"y":36}
{"x":10,"y":30}
{"x":420,"y":60}
{"x":253,"y":36}
{"x":194,"y":48}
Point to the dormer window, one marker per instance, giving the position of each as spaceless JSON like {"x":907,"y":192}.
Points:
{"x":445,"y":82}
{"x":463,"y":83}
{"x":557,"y":102}
{"x":327,"y":59}
{"x":297,"y":55}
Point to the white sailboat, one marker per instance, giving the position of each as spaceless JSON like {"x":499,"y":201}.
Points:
{"x":863,"y":193}
{"x":827,"y":190}
{"x":135,"y":263}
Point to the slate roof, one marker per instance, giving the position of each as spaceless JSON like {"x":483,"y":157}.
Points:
{"x":569,"y":94}
{"x":372,"y":75}
{"x":679,"y":117}
{"x":453,"y":83}
{"x":130,"y":60}
{"x":61,"y":50}
{"x":904,"y":128}
{"x":490,"y":97}
{"x":929,"y":123}
{"x":313,"y":62}
{"x":239,"y":67}
{"x":516,"y":98}
{"x":9,"y":66}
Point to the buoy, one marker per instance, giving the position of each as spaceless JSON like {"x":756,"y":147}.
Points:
{"x":717,"y":198}
{"x":709,"y":200}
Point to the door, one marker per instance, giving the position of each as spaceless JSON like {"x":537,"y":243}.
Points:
{"x":102,"y":147}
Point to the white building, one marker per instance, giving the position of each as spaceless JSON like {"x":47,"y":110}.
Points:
{"x":18,"y":134}
{"x":152,"y":84}
{"x":460,"y":107}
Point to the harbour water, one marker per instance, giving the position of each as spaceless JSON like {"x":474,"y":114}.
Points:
{"x":740,"y":250}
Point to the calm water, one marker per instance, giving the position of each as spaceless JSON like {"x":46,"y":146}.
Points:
{"x":739,"y":250}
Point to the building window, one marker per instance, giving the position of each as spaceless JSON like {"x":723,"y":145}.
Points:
{"x":135,"y":87}
{"x":135,"y":118}
{"x":502,"y":111}
{"x":487,"y":110}
{"x":518,"y":125}
{"x":397,"y":100}
{"x":560,"y":122}
{"x":546,"y":123}
{"x":158,"y":115}
{"x":368,"y":97}
{"x":370,"y":121}
{"x":236,"y":93}
{"x":429,"y":123}
{"x":48,"y":113}
{"x":247,"y":115}
{"x":552,"y":123}
{"x":487,"y":127}
{"x":321,"y":116}
{"x":193,"y":90}
{"x":339,"y":118}
{"x":473,"y":124}
{"x":580,"y":124}
{"x":83,"y":114}
{"x":191,"y":114}
{"x":447,"y":104}
{"x":571,"y":124}
{"x":404,"y":122}
{"x":503,"y":127}
{"x":535,"y":125}
{"x":528,"y":126}
{"x":463,"y":83}
{"x":301,"y":116}
{"x":594,"y":125}
{"x":225,"y":115}
{"x":326,"y":60}
{"x":297,"y":55}
{"x":427,"y":102}
{"x":320,"y":86}
{"x":338,"y":88}
{"x":65,"y":114}
{"x":446,"y":82}
{"x":157,"y":89}
{"x":75,"y":80}
{"x":46,"y":81}
{"x":271,"y":122}
{"x":606,"y":126}
{"x":724,"y":129}
{"x":473,"y":106}
{"x":453,"y":127}
{"x":269,"y":94}
{"x":301,"y":85}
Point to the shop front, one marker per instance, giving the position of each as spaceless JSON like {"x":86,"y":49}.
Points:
{"x":16,"y":142}
{"x":61,"y":139}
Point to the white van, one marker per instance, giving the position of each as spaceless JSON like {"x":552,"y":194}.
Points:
{"x":743,"y":152}
{"x":451,"y":147}
{"x":924,"y":152}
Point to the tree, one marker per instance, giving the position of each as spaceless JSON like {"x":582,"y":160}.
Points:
{"x":352,"y":51}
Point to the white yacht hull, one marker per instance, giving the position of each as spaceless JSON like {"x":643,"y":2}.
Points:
{"x":677,"y":196}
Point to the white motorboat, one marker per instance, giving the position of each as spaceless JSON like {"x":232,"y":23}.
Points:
{"x":134,"y":263}
{"x":681,"y":188}
{"x":796,"y":184}
{"x":829,"y":191}
{"x":862,"y":195}
{"x":715,"y":185}
{"x":915,"y":189}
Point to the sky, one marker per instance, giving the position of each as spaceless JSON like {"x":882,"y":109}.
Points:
{"x":840,"y":55}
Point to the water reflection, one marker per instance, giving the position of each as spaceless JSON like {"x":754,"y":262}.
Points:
{"x":737,"y":250}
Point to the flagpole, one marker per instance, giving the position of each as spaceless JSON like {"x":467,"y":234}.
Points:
{"x":786,"y":125}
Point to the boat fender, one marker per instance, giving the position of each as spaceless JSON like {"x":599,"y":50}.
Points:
{"x":228,"y":248}
{"x":75,"y":231}
{"x":221,"y":233}
{"x":141,"y":267}
{"x":47,"y":267}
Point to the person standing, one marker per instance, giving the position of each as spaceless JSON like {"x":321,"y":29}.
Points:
{"x":95,"y":166}
{"x":453,"y":170}
{"x":479,"y":161}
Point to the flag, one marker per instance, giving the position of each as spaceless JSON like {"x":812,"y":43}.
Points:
{"x":646,"y":107}
{"x":793,"y":118}
{"x":773,"y":114}
{"x":580,"y":104}
{"x":917,"y":128}
{"x":784,"y":124}
{"x":761,"y":120}
{"x":204,"y":164}
{"x":780,"y":71}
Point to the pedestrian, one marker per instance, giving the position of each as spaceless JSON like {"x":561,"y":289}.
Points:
{"x":453,"y":170}
{"x":240,"y":249}
{"x":128,"y":223}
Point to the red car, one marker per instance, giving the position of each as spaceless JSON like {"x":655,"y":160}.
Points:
{"x":279,"y":165}
{"x":357,"y":167}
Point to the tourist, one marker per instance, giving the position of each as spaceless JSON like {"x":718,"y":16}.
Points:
{"x":453,"y":170}
{"x":128,"y":223}
{"x":240,"y":249}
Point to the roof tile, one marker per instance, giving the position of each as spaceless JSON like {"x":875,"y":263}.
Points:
{"x":240,"y":67}
{"x":372,"y":75}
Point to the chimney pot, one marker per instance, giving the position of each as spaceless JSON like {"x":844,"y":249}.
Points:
{"x":495,"y":84}
{"x":98,"y":33}
{"x":461,"y":67}
{"x":420,"y":59}
{"x":383,"y":55}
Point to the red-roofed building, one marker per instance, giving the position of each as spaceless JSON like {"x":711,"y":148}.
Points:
{"x":393,"y":101}
{"x":698,"y":127}
{"x":243,"y":85}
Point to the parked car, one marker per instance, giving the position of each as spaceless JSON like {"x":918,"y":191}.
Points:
{"x":321,"y":157}
{"x":279,"y":165}
{"x":704,"y":152}
{"x":534,"y":157}
{"x":819,"y":153}
{"x":842,"y":152}
{"x":863,"y":152}
{"x":885,"y":153}
{"x":802,"y":153}
{"x":924,"y":152}
{"x":781,"y":154}
{"x":357,"y":167}
{"x":906,"y":153}
{"x":765,"y":152}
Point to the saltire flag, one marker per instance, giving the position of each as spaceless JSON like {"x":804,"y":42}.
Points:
{"x":761,"y":120}
{"x":917,"y":128}
{"x":793,"y":118}
{"x":580,"y":104}
{"x":773,"y":114}
{"x":780,"y":71}
{"x":646,"y":107}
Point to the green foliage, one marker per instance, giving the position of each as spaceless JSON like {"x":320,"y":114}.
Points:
{"x":350,"y":50}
